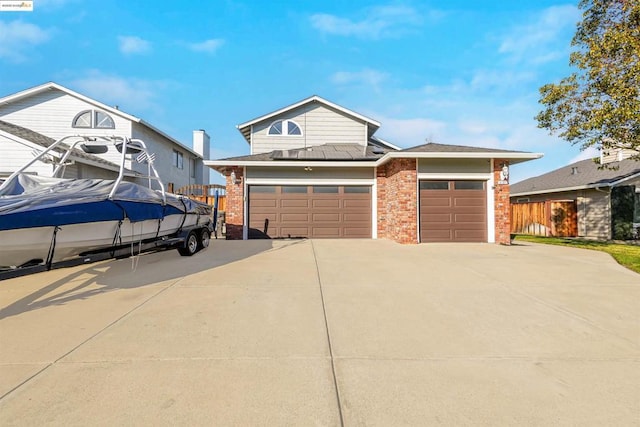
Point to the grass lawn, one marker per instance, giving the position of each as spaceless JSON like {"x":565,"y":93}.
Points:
{"x":626,"y":255}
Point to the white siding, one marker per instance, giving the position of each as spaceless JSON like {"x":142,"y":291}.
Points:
{"x":14,"y":155}
{"x":319,"y":124}
{"x":163,"y":149}
{"x":453,"y":166}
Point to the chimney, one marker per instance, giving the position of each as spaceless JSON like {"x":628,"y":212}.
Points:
{"x":201,"y":145}
{"x":574,"y":170}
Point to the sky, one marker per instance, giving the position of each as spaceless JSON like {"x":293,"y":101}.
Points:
{"x":453,"y":72}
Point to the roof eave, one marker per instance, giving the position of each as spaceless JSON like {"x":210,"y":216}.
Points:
{"x":515,"y":157}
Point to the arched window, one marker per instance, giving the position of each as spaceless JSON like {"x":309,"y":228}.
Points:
{"x":93,"y":119}
{"x":284,"y":127}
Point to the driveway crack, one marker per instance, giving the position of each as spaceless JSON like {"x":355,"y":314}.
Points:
{"x":326,"y":325}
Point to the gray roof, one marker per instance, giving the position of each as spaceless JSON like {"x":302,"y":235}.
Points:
{"x":45,"y":141}
{"x":334,"y":152}
{"x":433,"y":147}
{"x":582,"y":174}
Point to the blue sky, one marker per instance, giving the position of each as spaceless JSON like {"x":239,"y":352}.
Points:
{"x":453,"y":72}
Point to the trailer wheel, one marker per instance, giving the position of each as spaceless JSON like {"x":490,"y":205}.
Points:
{"x":191,"y":245}
{"x":205,"y":238}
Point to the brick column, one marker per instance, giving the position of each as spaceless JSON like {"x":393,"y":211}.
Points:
{"x":234,"y":214}
{"x":398,"y":202}
{"x":502,"y":205}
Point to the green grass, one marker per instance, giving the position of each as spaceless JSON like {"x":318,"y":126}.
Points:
{"x":626,"y":255}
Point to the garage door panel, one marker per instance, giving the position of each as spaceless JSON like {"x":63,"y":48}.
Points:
{"x":260,"y":203}
{"x":444,"y":218}
{"x":293,"y":203}
{"x":357,"y":203}
{"x":469,"y":218}
{"x":294,"y":217}
{"x":437,"y":201}
{"x":453,"y":215}
{"x":325,"y":203}
{"x":479,"y":202}
{"x":325,"y":217}
{"x":326,"y":232}
{"x":318,"y":214}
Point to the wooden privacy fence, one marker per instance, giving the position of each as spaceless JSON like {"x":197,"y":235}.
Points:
{"x":556,"y":218}
{"x":206,"y":194}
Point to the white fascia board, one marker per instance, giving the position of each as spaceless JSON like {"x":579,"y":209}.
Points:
{"x":560,"y":190}
{"x":315,"y":98}
{"x":175,"y":141}
{"x":310,"y":181}
{"x":461,"y":175}
{"x":297,"y":163}
{"x":457,"y":155}
{"x":384,"y":142}
{"x":628,"y":178}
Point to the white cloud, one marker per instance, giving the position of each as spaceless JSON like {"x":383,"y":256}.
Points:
{"x":208,"y":46}
{"x":378,"y":22}
{"x":588,"y":153}
{"x":411,"y":131}
{"x":537,"y":42}
{"x":17,"y":37}
{"x":128,"y":93}
{"x":367,"y":77}
{"x":130,"y":45}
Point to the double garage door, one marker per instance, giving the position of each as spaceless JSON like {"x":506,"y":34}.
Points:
{"x":317,"y":211}
{"x":453,"y":211}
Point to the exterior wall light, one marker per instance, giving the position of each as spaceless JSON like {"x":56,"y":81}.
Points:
{"x":234,"y":178}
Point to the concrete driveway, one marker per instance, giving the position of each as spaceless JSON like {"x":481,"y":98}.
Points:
{"x":325,"y":332}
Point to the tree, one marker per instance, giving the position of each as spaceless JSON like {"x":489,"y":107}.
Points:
{"x":599,"y":104}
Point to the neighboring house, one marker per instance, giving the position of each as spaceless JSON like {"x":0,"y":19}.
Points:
{"x":55,"y":111}
{"x":606,"y":199}
{"x":316,"y":170}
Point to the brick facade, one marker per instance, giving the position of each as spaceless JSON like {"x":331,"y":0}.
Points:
{"x":234,"y":215}
{"x":397,"y":202}
{"x":397,"y":183}
{"x":502,"y":205}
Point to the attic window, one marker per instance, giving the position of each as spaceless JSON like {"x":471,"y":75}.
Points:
{"x":284,"y":127}
{"x":93,"y":119}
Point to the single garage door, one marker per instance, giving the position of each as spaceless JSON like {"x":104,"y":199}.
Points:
{"x":453,"y":211}
{"x":318,"y":211}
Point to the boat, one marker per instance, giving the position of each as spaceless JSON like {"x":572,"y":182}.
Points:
{"x":44,"y":220}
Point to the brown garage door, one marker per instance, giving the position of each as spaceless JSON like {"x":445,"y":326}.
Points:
{"x":453,"y":211}
{"x":309,"y":211}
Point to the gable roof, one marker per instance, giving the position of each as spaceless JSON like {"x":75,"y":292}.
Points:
{"x":353,"y":155}
{"x":245,"y":128}
{"x":577,"y":176}
{"x":9,"y":129}
{"x":54,"y":86}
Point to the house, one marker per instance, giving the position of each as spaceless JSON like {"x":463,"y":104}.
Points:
{"x":53,"y":111}
{"x":605,"y":194}
{"x":316,"y":169}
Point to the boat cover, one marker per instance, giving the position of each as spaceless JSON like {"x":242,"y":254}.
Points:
{"x":33,"y":201}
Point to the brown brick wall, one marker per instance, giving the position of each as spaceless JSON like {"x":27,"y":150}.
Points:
{"x":502,"y":205}
{"x":234,"y":214}
{"x":398,"y":201}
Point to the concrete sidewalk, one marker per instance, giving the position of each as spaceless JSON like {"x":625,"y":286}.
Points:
{"x":325,"y":332}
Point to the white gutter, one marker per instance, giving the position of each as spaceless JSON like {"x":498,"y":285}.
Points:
{"x":370,"y":163}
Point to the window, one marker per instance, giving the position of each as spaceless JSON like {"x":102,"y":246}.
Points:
{"x":468,"y":185}
{"x":284,"y":127}
{"x":93,"y":119}
{"x":325,"y":189}
{"x":434,"y":185}
{"x":293,"y":189}
{"x":178,"y":159}
{"x":359,"y":189}
{"x":262,"y":189}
